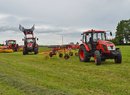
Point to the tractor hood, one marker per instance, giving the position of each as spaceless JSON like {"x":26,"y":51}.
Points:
{"x":109,"y":45}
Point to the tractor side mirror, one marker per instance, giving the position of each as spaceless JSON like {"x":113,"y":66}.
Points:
{"x":110,"y":33}
{"x":22,"y":39}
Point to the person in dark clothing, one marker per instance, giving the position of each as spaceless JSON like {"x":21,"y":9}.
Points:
{"x":90,"y":40}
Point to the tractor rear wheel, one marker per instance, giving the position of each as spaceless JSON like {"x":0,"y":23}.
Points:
{"x":16,"y":48}
{"x":118,"y":58}
{"x":83,"y":54}
{"x":97,"y":57}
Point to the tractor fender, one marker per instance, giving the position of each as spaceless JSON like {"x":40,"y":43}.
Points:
{"x":86,"y":46}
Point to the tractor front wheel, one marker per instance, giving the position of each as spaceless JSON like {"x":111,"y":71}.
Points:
{"x":103,"y":59}
{"x":97,"y":57}
{"x":118,"y":58}
{"x":36,"y":51}
{"x":83,"y":54}
{"x":24,"y":51}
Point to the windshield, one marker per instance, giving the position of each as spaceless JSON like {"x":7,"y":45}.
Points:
{"x":11,"y":42}
{"x":99,"y":36}
{"x":30,"y":40}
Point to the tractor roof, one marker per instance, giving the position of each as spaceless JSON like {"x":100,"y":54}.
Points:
{"x":10,"y":40}
{"x":30,"y":38}
{"x":93,"y":31}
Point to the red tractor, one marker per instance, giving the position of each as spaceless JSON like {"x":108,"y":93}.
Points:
{"x":94,"y":44}
{"x":11,"y":44}
{"x":30,"y":44}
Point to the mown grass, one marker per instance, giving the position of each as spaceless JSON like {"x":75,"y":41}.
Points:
{"x":35,"y":75}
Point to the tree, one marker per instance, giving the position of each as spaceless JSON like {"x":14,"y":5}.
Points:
{"x":123,"y":32}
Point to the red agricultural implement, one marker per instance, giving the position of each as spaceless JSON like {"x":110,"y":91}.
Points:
{"x":11,"y":44}
{"x":63,"y":50}
{"x":30,"y":44}
{"x":94,"y":44}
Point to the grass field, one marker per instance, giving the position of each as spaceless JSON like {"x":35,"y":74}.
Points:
{"x":37,"y":75}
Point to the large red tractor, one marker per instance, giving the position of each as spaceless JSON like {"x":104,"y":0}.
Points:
{"x":94,"y":44}
{"x":30,"y":44}
{"x":11,"y":44}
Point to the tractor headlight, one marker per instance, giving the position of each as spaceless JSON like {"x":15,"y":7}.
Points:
{"x":111,"y":48}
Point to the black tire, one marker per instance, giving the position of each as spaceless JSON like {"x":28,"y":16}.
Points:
{"x":60,"y":55}
{"x":36,"y":51}
{"x":83,"y":54}
{"x":76,"y":54}
{"x":70,"y":53}
{"x":97,"y":57}
{"x":103,"y":59}
{"x":50,"y":54}
{"x":16,"y":48}
{"x":24,"y":51}
{"x":66,"y":57}
{"x":118,"y":58}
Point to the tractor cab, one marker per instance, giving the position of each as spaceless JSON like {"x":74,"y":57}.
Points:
{"x":96,"y":40}
{"x":92,"y":38}
{"x":94,"y":44}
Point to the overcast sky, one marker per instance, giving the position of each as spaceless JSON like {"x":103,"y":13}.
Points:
{"x":56,"y":18}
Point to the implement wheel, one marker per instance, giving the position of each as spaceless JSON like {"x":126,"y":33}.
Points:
{"x":70,"y":53}
{"x":50,"y":54}
{"x":60,"y":55}
{"x":66,"y":56}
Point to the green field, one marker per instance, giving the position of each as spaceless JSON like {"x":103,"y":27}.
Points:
{"x":37,"y":75}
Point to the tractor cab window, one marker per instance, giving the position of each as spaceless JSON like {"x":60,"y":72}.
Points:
{"x":98,"y":36}
{"x":88,"y":38}
{"x":30,"y":40}
{"x":11,"y":42}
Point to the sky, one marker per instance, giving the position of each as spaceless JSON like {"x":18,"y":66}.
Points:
{"x":54,"y":19}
